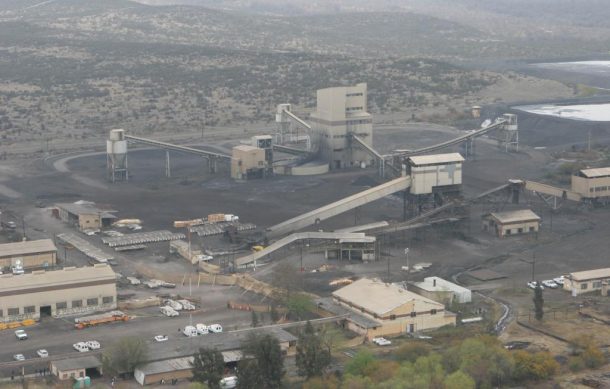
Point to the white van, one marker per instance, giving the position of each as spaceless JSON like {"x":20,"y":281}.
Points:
{"x":228,"y":382}
{"x":202,"y":329}
{"x":169,"y":311}
{"x":189,"y":331}
{"x":81,"y":347}
{"x":215,"y":328}
{"x":174,"y":304}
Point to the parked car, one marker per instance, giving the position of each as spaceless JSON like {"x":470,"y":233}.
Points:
{"x":559,"y":280}
{"x":550,"y":284}
{"x":161,"y":338}
{"x":215,"y":328}
{"x":19,"y":357}
{"x":228,"y":382}
{"x":381,"y":341}
{"x":93,"y":345}
{"x":21,"y":334}
{"x":81,"y":347}
{"x":187,"y":305}
{"x":190,"y":331}
{"x":202,"y":329}
{"x":534,"y":285}
{"x":169,"y":311}
{"x":176,"y":306}
{"x":42,"y":353}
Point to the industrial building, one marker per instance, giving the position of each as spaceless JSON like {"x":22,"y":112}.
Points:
{"x":592,"y":183}
{"x":443,"y":291}
{"x":509,"y":223}
{"x":85,"y":215}
{"x":438,"y":171}
{"x":72,"y":368}
{"x":173,"y":363}
{"x":29,"y":254}
{"x":116,"y":156}
{"x":341,"y":113}
{"x":588,"y":281}
{"x":353,"y":249}
{"x":248,"y":162}
{"x":57,"y":293}
{"x":377,"y":309}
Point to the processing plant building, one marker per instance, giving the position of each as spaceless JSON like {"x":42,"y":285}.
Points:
{"x":30,"y":254}
{"x":341,"y":113}
{"x":57,"y":293}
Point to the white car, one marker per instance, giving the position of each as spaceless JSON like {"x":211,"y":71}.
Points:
{"x":93,"y":345}
{"x":169,"y":311}
{"x":190,"y":331}
{"x":21,"y":334}
{"x":19,"y":357}
{"x":42,"y":353}
{"x":559,"y":280}
{"x":187,"y":305}
{"x":81,"y":347}
{"x":202,"y":329}
{"x":228,"y":382}
{"x":215,"y":328}
{"x":534,"y":284}
{"x":382,"y":341}
{"x":161,"y":338}
{"x":550,"y":284}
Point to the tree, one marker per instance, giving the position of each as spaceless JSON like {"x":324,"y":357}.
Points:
{"x":534,"y":366}
{"x":266,"y":368}
{"x":208,"y":367}
{"x":411,"y":351}
{"x":197,"y":385}
{"x":362,"y":364}
{"x":538,"y":302}
{"x":459,"y":380}
{"x":312,"y":357}
{"x":273,"y":314}
{"x":298,"y":305}
{"x":254,"y":319}
{"x":326,"y":382}
{"x":248,"y":375}
{"x":124,"y":355}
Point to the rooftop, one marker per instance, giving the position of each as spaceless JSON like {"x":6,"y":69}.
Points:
{"x":327,"y":304}
{"x":27,"y":247}
{"x":86,"y":208}
{"x":67,"y":276}
{"x":380,"y":298}
{"x":597,"y":172}
{"x":521,"y":215}
{"x":591,"y":274}
{"x":436,"y":158}
{"x":441,"y":285}
{"x":87,"y":362}
{"x":183,"y":363}
{"x":245,"y":148}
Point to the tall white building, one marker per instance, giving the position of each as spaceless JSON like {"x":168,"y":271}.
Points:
{"x":340,"y":113}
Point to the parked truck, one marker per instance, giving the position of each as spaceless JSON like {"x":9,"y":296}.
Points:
{"x":90,"y":321}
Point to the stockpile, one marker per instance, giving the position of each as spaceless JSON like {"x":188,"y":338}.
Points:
{"x":142,"y":237}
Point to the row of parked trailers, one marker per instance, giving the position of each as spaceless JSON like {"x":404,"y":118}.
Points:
{"x":219,"y":228}
{"x":142,"y":237}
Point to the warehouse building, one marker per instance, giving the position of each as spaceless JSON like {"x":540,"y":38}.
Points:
{"x":377,"y":309}
{"x":85,"y":215}
{"x":509,"y":223}
{"x":443,"y":291}
{"x":57,"y":293}
{"x":30,"y":254}
{"x":588,"y":281}
{"x":439,"y":171}
{"x":592,"y":183}
{"x":173,"y":363}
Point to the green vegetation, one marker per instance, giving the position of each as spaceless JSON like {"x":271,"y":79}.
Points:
{"x":263,"y":365}
{"x":208,"y":367}
{"x":124,"y":355}
{"x":313,"y":357}
{"x":538,"y":302}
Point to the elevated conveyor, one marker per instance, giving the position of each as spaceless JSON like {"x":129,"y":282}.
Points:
{"x":173,"y":147}
{"x":552,"y":191}
{"x":337,"y":236}
{"x":341,"y":206}
{"x":291,"y":150}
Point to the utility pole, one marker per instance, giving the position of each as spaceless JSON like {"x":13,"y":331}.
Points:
{"x":408,"y":269}
{"x":533,"y":266}
{"x":23,"y":228}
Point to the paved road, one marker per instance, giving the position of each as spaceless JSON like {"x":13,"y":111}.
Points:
{"x":58,"y":335}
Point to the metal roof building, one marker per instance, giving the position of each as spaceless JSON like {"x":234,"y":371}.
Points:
{"x":517,"y":222}
{"x":395,"y":309}
{"x":443,"y":171}
{"x":57,"y":293}
{"x":29,"y":254}
{"x":443,"y":291}
{"x":66,"y":369}
{"x":587,"y":281}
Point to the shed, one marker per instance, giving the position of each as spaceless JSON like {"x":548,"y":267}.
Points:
{"x":87,"y":366}
{"x":443,"y":291}
{"x":30,"y":254}
{"x":523,"y":221}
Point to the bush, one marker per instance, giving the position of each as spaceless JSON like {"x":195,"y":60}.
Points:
{"x":534,"y":366}
{"x":593,"y":357}
{"x":411,"y":351}
{"x":576,"y":363}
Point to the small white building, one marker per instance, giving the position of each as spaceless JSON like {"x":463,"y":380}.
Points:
{"x":438,"y":170}
{"x":443,"y":291}
{"x":587,"y":281}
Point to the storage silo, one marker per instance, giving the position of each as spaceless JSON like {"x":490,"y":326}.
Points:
{"x":116,"y":156}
